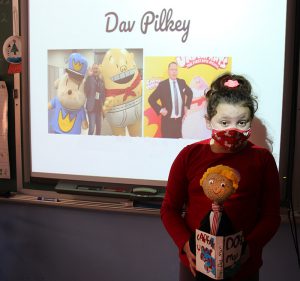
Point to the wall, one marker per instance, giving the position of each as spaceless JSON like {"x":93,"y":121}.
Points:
{"x":39,"y":243}
{"x":43,"y":243}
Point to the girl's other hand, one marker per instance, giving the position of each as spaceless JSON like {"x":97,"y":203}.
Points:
{"x":191,"y":257}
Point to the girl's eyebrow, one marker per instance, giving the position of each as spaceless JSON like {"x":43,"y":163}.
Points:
{"x":243,"y":115}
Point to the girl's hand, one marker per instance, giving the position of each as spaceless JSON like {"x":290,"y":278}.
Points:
{"x":191,"y":257}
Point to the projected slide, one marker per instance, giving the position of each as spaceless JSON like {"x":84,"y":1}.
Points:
{"x":98,"y":106}
{"x":77,"y":98}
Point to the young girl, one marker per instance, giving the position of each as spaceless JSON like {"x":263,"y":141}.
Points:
{"x":254,"y":208}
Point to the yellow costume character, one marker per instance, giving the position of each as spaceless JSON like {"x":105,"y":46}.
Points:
{"x":123,"y":92}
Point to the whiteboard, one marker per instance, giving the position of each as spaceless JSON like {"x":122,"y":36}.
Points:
{"x":244,"y":31}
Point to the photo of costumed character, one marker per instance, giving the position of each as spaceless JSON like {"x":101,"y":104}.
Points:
{"x":67,"y":113}
{"x":123,"y":92}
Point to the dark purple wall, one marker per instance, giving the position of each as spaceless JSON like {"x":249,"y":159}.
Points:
{"x":41,"y":243}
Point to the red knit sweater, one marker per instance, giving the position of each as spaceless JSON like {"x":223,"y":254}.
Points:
{"x":254,"y":208}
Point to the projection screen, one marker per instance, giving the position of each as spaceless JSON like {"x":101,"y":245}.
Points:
{"x":134,"y":41}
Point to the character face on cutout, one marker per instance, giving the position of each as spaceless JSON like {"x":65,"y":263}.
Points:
{"x":118,"y":69}
{"x":219,"y":183}
{"x":70,"y":92}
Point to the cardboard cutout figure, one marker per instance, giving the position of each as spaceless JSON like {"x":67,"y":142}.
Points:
{"x":123,"y":91}
{"x":218,"y":183}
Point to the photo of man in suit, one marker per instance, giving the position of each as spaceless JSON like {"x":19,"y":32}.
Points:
{"x":94,"y":91}
{"x":175,"y":98}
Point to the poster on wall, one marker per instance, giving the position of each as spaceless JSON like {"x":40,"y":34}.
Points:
{"x":96,"y":83}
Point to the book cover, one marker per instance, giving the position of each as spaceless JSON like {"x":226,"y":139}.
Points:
{"x":218,"y":256}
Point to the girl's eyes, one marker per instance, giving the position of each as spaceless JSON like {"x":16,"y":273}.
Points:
{"x":243,"y":123}
{"x":240,"y":123}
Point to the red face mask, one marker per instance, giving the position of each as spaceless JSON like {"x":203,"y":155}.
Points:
{"x":231,"y":139}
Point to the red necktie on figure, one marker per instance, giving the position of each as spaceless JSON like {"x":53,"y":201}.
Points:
{"x":217,"y":210}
